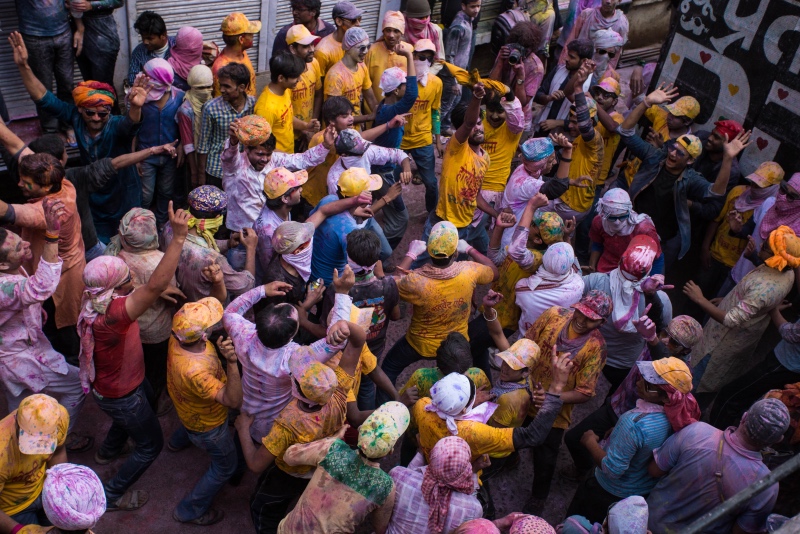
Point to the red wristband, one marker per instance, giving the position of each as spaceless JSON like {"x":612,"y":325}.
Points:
{"x":17,"y":529}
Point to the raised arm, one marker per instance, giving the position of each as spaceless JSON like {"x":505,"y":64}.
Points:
{"x":662,"y":95}
{"x":10,"y":140}
{"x":32,"y":84}
{"x":339,"y":206}
{"x":730,"y":150}
{"x":474,"y":255}
{"x":231,"y":394}
{"x":472,"y":115}
{"x":137,"y":98}
{"x":126,"y":160}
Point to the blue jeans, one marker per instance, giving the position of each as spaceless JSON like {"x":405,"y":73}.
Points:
{"x":100,"y":48}
{"x":450,"y":99}
{"x":33,"y":514}
{"x":133,"y":417}
{"x":95,"y":252}
{"x":426,"y":165}
{"x":386,"y":249}
{"x":237,"y":257}
{"x":158,"y":178}
{"x":52,"y":58}
{"x":475,"y":236}
{"x":218,"y":443}
{"x":400,"y":356}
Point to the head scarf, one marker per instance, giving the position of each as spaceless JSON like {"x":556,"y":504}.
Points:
{"x":629,"y":516}
{"x":423,"y":28}
{"x":354,"y":36}
{"x":449,"y":470}
{"x":93,"y":94}
{"x":391,"y":79}
{"x":161,"y":77}
{"x":73,"y":497}
{"x":728,"y":128}
{"x":394,"y":19}
{"x":477,"y":526}
{"x":614,"y":203}
{"x":550,"y":225}
{"x":530,"y":524}
{"x":685,"y":330}
{"x":635,"y":263}
{"x":254,"y":130}
{"x":783,"y":212}
{"x":137,"y":233}
{"x":766,"y":421}
{"x":537,"y":149}
{"x":785,"y":246}
{"x":450,"y":396}
{"x":187,"y":51}
{"x":208,"y":199}
{"x":199,"y":76}
{"x":100,"y":277}
{"x":607,"y":39}
{"x":681,"y":408}
{"x":556,"y":266}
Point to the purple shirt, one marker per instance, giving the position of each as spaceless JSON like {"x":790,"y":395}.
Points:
{"x":690,"y":488}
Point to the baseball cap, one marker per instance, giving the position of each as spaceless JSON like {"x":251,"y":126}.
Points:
{"x":685,"y":106}
{"x":38,"y":417}
{"x":381,"y":430}
{"x":317,"y":381}
{"x":766,"y":421}
{"x":443,"y":240}
{"x":194,"y":318}
{"x":609,"y":85}
{"x":671,"y":371}
{"x":280,"y":179}
{"x":346,"y":10}
{"x":767,"y":174}
{"x":237,"y":24}
{"x":299,"y":34}
{"x":692,"y":144}
{"x":523,"y":353}
{"x":424,"y":45}
{"x":291,"y":234}
{"x":595,"y":305}
{"x":356,"y":180}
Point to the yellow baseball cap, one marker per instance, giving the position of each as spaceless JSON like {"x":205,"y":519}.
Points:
{"x":194,"y":318}
{"x":38,"y":417}
{"x":299,"y":34}
{"x":317,"y":381}
{"x":522,"y":354}
{"x":237,"y":24}
{"x":686,"y":106}
{"x":672,"y":371}
{"x":609,"y":85}
{"x":356,"y":180}
{"x":767,"y":174}
{"x":381,"y":430}
{"x":692,"y":144}
{"x":443,"y":240}
{"x":280,"y":179}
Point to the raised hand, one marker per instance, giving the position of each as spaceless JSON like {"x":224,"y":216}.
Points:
{"x":733,"y":147}
{"x":492,"y":298}
{"x":179,"y":221}
{"x":416,"y":247}
{"x":655,"y":283}
{"x":561,"y":140}
{"x":562,"y":366}
{"x":570,"y":225}
{"x":277,"y":289}
{"x":662,"y":95}
{"x":233,"y":131}
{"x":227,"y":349}
{"x":329,"y":136}
{"x":463,"y":247}
{"x":394,"y":191}
{"x":313,"y":296}
{"x":19,"y":49}
{"x":693,"y":291}
{"x":249,"y":238}
{"x":344,"y":283}
{"x":506,"y":219}
{"x":478,"y":91}
{"x":645,"y":326}
{"x":138,"y":93}
{"x":54,"y":213}
{"x":338,"y":333}
{"x":213,"y":273}
{"x":735,"y":221}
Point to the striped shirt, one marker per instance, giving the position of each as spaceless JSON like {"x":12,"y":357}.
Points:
{"x":217,"y":118}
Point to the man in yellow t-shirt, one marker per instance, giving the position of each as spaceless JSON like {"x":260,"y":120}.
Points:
{"x":237,"y":33}
{"x":422,"y":128}
{"x":202,"y":395}
{"x":441,"y":293}
{"x":383,"y":54}
{"x":350,"y":78}
{"x":329,"y":50}
{"x":307,"y":94}
{"x":32,"y":439}
{"x":275,"y":101}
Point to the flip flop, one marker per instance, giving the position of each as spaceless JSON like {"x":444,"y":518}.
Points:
{"x":79,"y":443}
{"x":135,"y":500}
{"x":209,"y":518}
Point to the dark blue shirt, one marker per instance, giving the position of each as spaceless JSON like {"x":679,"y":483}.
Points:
{"x":160,"y":126}
{"x":42,"y":18}
{"x":394,"y":136}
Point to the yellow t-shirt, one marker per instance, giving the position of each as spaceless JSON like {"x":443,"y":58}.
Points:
{"x":279,"y":112}
{"x":440,"y":306}
{"x":378,"y":60}
{"x":419,"y":130}
{"x":366,"y":364}
{"x":223,"y":60}
{"x":512,"y":408}
{"x":193,"y":381}
{"x":424,"y":379}
{"x":293,"y":425}
{"x":304,"y":92}
{"x":316,"y":188}
{"x":341,"y":81}
{"x":726,"y":248}
{"x":482,"y":439}
{"x":587,"y":160}
{"x":327,"y":53}
{"x":508,"y":313}
{"x":22,"y":475}
{"x":462,"y":175}
{"x":501,"y":145}
{"x":610,"y":144}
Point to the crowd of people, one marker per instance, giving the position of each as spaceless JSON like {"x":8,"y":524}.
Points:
{"x":226,"y":253}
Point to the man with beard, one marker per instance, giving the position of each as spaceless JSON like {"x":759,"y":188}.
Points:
{"x":350,"y":78}
{"x":275,"y":101}
{"x":307,"y":93}
{"x":237,"y":33}
{"x":710,"y":161}
{"x":304,"y":13}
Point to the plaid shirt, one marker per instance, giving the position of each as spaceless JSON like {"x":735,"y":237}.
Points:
{"x":217,"y":118}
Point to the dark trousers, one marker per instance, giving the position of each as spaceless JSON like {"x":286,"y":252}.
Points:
{"x":400,"y":356}
{"x":480,"y":341}
{"x":275,"y":491}
{"x":100,"y":48}
{"x":544,"y":463}
{"x":615,"y":377}
{"x":592,"y":501}
{"x":65,"y":340}
{"x":133,"y":416}
{"x":33,"y":514}
{"x":155,"y":366}
{"x":735,"y":398}
{"x":600,"y":421}
{"x":52,"y":59}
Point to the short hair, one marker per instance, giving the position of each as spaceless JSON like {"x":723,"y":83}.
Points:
{"x":492,"y":101}
{"x":311,"y":5}
{"x":275,"y":325}
{"x":44,"y":169}
{"x":286,"y":65}
{"x":363,"y":247}
{"x":230,"y":40}
{"x":270,"y":144}
{"x":3,"y":236}
{"x":51,"y":144}
{"x":527,"y":34}
{"x":583,"y":47}
{"x":441,"y":262}
{"x":235,"y":72}
{"x":458,"y":114}
{"x":150,"y":23}
{"x":335,"y":106}
{"x":277,"y":203}
{"x":454,"y":354}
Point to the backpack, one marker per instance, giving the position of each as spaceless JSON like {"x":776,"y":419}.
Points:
{"x":502,"y":27}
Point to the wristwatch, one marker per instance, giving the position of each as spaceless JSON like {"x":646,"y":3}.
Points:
{"x":520,"y":81}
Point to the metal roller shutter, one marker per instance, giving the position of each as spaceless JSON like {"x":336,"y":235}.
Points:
{"x":490,"y":9}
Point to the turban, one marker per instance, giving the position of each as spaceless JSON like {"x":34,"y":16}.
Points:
{"x":73,"y":497}
{"x":530,"y":524}
{"x":93,"y":94}
{"x":161,"y":77}
{"x":317,"y":381}
{"x":685,"y":330}
{"x":391,"y":79}
{"x":137,"y":232}
{"x":607,"y":39}
{"x":394,"y":19}
{"x":208,"y":199}
{"x":253,"y":130}
{"x":785,"y":246}
{"x":449,"y":470}
{"x":354,"y":36}
{"x":728,"y":128}
{"x":537,"y":149}
{"x":550,"y":225}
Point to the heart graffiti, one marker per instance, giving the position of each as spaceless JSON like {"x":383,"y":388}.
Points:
{"x":705,"y":57}
{"x":761,"y":143}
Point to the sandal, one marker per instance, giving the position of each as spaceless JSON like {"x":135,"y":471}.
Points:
{"x":127,"y":449}
{"x":78,"y":442}
{"x":416,"y":179}
{"x":209,"y":518}
{"x":132,"y":500}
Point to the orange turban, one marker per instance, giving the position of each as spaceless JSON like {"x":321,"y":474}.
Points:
{"x":93,"y":94}
{"x":785,"y":246}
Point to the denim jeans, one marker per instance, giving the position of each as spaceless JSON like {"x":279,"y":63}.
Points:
{"x":95,"y":252}
{"x":450,"y":99}
{"x":476,"y":236}
{"x":218,"y":443}
{"x":426,"y":165}
{"x":52,"y":58}
{"x":33,"y":514}
{"x":395,"y":214}
{"x":237,"y":257}
{"x":386,"y":249}
{"x":100,"y":48}
{"x":158,"y":178}
{"x":400,"y":356}
{"x":66,"y":389}
{"x":133,"y":416}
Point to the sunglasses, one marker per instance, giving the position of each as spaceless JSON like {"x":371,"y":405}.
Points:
{"x":790,"y":193}
{"x":363,"y":48}
{"x":603,"y":52}
{"x":678,"y":152}
{"x":354,"y":21}
{"x":614,"y":218}
{"x":650,"y":388}
{"x":99,"y":114}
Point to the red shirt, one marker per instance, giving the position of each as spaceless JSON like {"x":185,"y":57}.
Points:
{"x":614,"y":246}
{"x":118,"y":354}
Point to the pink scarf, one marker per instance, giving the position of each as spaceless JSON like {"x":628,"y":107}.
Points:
{"x":449,"y":470}
{"x":417,"y":29}
{"x":783,"y":212}
{"x":187,"y":52}
{"x":681,"y":409}
{"x":753,"y":197}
